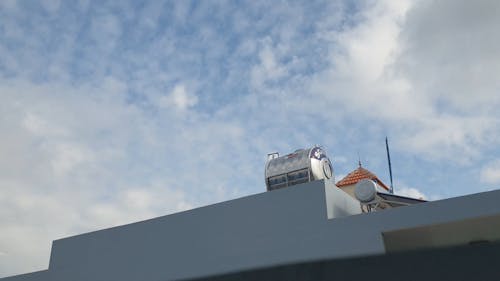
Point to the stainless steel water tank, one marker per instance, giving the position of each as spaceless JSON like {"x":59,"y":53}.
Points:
{"x":303,"y":165}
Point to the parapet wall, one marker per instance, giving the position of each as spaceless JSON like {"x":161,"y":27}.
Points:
{"x":280,"y":227}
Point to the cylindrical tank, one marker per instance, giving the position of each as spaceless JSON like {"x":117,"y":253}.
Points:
{"x":303,"y":165}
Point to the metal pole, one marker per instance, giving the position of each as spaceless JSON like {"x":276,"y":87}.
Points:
{"x":389,"y":160}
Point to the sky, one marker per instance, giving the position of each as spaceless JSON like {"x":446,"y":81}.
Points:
{"x":118,"y":111}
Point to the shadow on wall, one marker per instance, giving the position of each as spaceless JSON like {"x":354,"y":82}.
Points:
{"x":469,"y":262}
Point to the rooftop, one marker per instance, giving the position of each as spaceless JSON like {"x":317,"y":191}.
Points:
{"x":359,"y":174}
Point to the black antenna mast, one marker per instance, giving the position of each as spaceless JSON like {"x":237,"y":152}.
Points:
{"x":389,"y":160}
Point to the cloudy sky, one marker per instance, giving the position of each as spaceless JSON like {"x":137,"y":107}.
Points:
{"x":113,"y":112}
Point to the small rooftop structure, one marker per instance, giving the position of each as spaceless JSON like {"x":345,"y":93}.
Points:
{"x":372,"y":193}
{"x":349,"y":182}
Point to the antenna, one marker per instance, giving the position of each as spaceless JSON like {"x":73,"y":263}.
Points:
{"x":389,"y":160}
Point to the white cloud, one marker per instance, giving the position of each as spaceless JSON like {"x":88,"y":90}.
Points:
{"x":36,"y":125}
{"x":339,"y":177}
{"x":368,"y":48}
{"x":69,"y":156}
{"x":269,"y":67}
{"x":490,"y":173}
{"x":449,"y":137}
{"x":268,"y":60}
{"x":447,"y":52}
{"x":360,"y":80}
{"x":339,"y":159}
{"x":106,"y":30}
{"x":179,"y":98}
{"x":135,"y":204}
{"x":411,"y":192}
{"x":387,"y":71}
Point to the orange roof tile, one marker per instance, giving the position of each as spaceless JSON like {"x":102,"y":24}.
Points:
{"x":359,"y":174}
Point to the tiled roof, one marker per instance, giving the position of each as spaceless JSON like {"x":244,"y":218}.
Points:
{"x":359,"y":174}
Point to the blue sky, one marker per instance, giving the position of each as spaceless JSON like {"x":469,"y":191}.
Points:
{"x":113,"y":112}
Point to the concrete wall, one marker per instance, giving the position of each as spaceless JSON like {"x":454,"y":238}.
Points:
{"x":469,"y":262}
{"x":34,"y":276}
{"x":279,"y":227}
{"x":349,"y":189}
{"x":264,"y":229}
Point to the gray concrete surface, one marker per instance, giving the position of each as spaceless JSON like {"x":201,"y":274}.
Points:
{"x":279,"y":227}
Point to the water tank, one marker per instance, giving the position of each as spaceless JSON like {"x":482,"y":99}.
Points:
{"x":303,"y":165}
